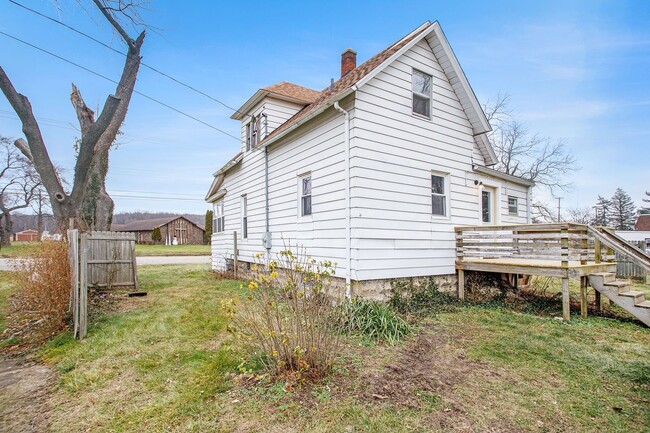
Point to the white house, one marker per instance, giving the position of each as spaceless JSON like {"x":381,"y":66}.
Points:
{"x":373,"y":172}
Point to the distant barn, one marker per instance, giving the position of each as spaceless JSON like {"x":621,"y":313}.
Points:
{"x":26,"y":236}
{"x":173,"y":230}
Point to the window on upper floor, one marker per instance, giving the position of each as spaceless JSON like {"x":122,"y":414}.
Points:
{"x":513,"y":205}
{"x":421,"y":87}
{"x":218,"y":218}
{"x":305,"y":195}
{"x":438,"y":195}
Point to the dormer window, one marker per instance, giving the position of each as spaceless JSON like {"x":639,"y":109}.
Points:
{"x":253,"y":132}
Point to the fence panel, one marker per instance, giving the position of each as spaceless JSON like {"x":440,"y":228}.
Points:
{"x":101,"y":260}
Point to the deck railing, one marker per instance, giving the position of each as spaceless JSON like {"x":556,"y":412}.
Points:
{"x":563,"y":242}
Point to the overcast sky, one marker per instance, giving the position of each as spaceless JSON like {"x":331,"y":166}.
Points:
{"x":575,"y":70}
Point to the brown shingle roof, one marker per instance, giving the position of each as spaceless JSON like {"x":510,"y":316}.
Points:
{"x":345,"y":82}
{"x":146,"y":225}
{"x":642,"y":222}
{"x":294,"y":91}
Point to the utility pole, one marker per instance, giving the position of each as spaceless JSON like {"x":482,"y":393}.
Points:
{"x":559,"y":208}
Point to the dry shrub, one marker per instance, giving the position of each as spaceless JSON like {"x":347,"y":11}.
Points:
{"x":41,"y":308}
{"x":286,"y":320}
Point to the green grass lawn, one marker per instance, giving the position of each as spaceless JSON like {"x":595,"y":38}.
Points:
{"x":18,"y":249}
{"x":166,"y":363}
{"x":172,"y":250}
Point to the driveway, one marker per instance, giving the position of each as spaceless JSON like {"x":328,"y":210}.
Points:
{"x":10,"y":264}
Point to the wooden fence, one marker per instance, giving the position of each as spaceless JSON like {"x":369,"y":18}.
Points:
{"x":627,"y":268}
{"x":100,"y":260}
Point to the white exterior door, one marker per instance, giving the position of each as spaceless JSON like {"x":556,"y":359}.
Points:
{"x":488,"y":205}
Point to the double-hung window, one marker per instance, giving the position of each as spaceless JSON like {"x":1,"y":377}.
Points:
{"x":244,"y":217}
{"x":513,"y":208}
{"x":438,"y":195}
{"x":305,"y":195}
{"x":218,"y":219}
{"x":421,"y":87}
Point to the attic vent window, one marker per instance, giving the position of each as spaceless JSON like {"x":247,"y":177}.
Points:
{"x":421,"y":85}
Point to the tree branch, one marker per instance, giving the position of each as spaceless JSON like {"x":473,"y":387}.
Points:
{"x":106,"y":11}
{"x":37,"y":149}
{"x":85,"y":115}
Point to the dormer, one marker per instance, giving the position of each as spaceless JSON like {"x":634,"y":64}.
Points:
{"x":269,"y":108}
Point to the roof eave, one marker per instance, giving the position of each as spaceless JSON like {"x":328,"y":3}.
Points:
{"x":495,"y":173}
{"x":307,"y":118}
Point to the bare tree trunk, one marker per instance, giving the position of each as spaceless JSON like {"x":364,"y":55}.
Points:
{"x":97,"y":137}
{"x":7,"y":228}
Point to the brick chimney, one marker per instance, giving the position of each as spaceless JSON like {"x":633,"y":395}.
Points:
{"x":348,"y":61}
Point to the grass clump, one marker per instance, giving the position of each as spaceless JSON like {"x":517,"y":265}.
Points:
{"x":372,"y":320}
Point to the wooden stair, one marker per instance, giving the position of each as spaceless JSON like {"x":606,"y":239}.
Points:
{"x":619,"y":292}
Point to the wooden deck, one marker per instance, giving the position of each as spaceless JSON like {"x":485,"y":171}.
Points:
{"x":563,"y":250}
{"x":548,"y":268}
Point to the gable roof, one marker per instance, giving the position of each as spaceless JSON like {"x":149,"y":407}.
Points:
{"x":147,"y":225}
{"x":369,"y":69}
{"x":642,"y":222}
{"x":285,"y":90}
{"x":345,"y":85}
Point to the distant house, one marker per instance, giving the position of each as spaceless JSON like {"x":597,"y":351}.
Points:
{"x":26,"y":236}
{"x":373,"y":172}
{"x":173,"y":230}
{"x":642,"y":222}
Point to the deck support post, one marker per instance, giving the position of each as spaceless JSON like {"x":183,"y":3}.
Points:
{"x":583,"y":297}
{"x":599,"y":301}
{"x":566,"y":310}
{"x":461,"y":284}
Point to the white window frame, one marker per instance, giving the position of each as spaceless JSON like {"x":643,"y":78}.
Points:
{"x":301,"y":213}
{"x":244,"y":216}
{"x":423,"y":95}
{"x":218,"y":217}
{"x":516,"y":205}
{"x":446,"y":187}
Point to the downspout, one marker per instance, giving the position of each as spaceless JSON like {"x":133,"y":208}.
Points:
{"x":267,"y":233}
{"x":348,"y":242}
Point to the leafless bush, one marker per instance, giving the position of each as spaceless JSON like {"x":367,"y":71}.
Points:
{"x":40,"y":310}
{"x":287,"y":317}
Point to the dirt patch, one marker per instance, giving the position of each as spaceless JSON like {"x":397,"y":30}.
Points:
{"x":427,"y":367}
{"x":24,"y":387}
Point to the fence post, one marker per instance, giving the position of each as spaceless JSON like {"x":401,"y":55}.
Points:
{"x":598,"y":251}
{"x":73,"y":257}
{"x":83,"y":287}
{"x":234,"y":266}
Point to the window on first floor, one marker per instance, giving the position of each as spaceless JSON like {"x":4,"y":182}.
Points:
{"x":513,"y":205}
{"x":244,"y":217}
{"x":438,"y":195}
{"x":218,"y":218}
{"x":305,"y":195}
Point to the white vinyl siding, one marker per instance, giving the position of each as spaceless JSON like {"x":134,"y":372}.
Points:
{"x":318,"y":150}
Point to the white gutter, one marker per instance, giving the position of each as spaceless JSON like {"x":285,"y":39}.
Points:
{"x":348,"y":241}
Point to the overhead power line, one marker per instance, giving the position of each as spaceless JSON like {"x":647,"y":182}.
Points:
{"x":97,"y":41}
{"x":115,"y":82}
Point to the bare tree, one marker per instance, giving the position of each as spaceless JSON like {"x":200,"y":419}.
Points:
{"x":579,"y":215}
{"x":87,"y":203}
{"x":19,"y":186}
{"x":530,"y":156}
